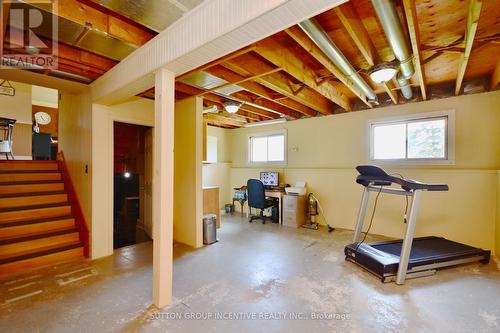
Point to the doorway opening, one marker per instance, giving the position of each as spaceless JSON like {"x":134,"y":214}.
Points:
{"x":45,"y":123}
{"x":132,"y":211}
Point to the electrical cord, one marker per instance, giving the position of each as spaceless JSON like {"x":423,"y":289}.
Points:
{"x":406,"y":197}
{"x":371,"y":219}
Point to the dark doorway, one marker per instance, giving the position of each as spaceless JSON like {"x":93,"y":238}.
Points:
{"x":132,"y":184}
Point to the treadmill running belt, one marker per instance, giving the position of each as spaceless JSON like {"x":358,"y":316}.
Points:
{"x":427,"y":247}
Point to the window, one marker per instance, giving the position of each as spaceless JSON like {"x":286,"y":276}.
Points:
{"x":420,"y":138}
{"x":267,"y":148}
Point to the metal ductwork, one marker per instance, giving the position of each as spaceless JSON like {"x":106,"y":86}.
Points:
{"x":389,"y":18}
{"x":323,"y":41}
{"x":53,"y":72}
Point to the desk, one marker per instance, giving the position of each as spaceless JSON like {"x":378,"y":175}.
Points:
{"x":277,"y":194}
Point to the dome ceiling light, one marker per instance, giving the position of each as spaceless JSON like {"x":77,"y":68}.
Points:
{"x":232,"y":107}
{"x":383,"y":72}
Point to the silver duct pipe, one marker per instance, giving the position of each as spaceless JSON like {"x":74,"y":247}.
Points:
{"x":388,"y":16}
{"x":405,"y":87}
{"x":54,"y":72}
{"x":323,"y":41}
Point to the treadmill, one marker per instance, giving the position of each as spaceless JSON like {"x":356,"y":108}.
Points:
{"x":410,"y":257}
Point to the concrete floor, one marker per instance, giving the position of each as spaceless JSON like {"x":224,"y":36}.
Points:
{"x":257,"y":271}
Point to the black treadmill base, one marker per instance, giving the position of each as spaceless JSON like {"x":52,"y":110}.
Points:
{"x":382,"y":258}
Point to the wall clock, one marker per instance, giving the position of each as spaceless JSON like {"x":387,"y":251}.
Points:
{"x":43,"y":118}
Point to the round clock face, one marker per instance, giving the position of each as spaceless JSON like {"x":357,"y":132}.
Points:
{"x":42,"y":118}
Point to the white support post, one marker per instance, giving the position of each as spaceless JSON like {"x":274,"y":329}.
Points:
{"x":163,"y":187}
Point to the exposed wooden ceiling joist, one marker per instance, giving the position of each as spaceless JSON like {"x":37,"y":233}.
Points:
{"x":357,"y":31}
{"x":268,"y":105}
{"x":225,"y":119}
{"x":495,"y":77}
{"x":74,"y":60}
{"x":250,"y":78}
{"x":250,"y":65}
{"x":470,"y":32}
{"x":85,"y":15}
{"x":219,"y":100}
{"x":248,"y":115}
{"x":303,"y":40}
{"x":292,"y":109}
{"x":286,"y":59}
{"x":414,"y":31}
{"x":216,"y":62}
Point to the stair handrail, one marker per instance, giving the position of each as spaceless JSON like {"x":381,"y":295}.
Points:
{"x":76,"y":208}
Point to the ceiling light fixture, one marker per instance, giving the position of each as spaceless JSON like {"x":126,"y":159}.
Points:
{"x":232,"y":107}
{"x":383,"y":72}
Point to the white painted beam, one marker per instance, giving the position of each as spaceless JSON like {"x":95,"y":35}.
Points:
{"x":211,"y":30}
{"x":163,"y":188}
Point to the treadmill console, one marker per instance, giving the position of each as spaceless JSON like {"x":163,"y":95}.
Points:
{"x":376,"y":176}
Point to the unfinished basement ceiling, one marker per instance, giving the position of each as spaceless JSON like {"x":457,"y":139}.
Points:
{"x":154,"y":14}
{"x":91,"y":39}
{"x":452,"y":45}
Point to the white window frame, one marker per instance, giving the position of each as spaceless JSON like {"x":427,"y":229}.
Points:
{"x":264,"y":134}
{"x":449,"y":138}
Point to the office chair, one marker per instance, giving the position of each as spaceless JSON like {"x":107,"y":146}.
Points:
{"x":257,"y":199}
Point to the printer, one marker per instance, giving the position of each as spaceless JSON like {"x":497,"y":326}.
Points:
{"x":298,"y":189}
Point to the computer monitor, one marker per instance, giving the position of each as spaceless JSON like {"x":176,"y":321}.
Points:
{"x":269,"y":178}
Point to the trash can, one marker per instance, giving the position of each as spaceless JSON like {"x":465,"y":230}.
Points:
{"x":209,"y":229}
{"x":229,"y":208}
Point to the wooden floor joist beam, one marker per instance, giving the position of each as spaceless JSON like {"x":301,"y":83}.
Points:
{"x":246,"y":79}
{"x":495,"y":77}
{"x":293,"y":109}
{"x":260,"y":111}
{"x":305,"y":42}
{"x":224,"y":119}
{"x":219,"y":100}
{"x":266,"y":104}
{"x":284,"y":58}
{"x":470,"y":32}
{"x":217,"y":62}
{"x":414,"y":31}
{"x":358,"y":33}
{"x":280,"y":83}
{"x":92,"y":16}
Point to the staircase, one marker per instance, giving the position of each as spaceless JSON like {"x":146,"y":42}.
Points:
{"x":37,"y":223}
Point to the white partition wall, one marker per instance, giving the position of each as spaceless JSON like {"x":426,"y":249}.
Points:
{"x":188,"y":201}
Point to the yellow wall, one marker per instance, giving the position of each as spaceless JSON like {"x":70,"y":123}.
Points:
{"x":217,"y":174}
{"x":45,"y":97}
{"x":497,"y":228}
{"x":75,"y":140}
{"x":326,"y":150}
{"x":188,"y":154}
{"x":137,"y":111}
{"x":19,"y":107}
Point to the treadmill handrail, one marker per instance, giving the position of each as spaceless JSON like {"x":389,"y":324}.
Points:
{"x":374,"y":175}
